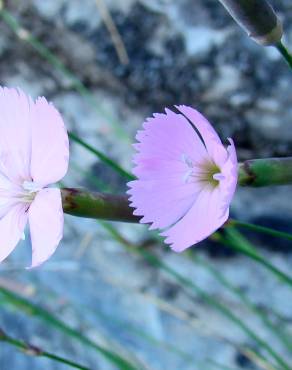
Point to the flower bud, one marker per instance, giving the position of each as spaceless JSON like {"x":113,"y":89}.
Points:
{"x":257,"y":18}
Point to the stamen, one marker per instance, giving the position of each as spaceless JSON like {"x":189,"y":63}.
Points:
{"x":187,"y":176}
{"x":207,"y":171}
{"x":218,"y":176}
{"x":30,"y":190}
{"x":31,"y":186}
{"x":187,"y":160}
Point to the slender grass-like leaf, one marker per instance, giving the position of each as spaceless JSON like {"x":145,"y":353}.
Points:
{"x":34,"y":310}
{"x":128,"y":327}
{"x":217,"y":365}
{"x":105,"y":159}
{"x":285,"y":339}
{"x":238,"y":242}
{"x":262,"y":229}
{"x":258,"y":361}
{"x":32,"y":350}
{"x":13,"y":23}
{"x":92,"y":179}
{"x":57,"y":63}
{"x":186,"y":283}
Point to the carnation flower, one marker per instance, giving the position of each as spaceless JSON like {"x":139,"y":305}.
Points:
{"x":34,"y":152}
{"x":186,"y":178}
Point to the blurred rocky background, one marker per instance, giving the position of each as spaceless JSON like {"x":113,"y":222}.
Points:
{"x":169,"y":52}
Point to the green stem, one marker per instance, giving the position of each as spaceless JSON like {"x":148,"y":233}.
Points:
{"x":31,"y":350}
{"x":83,"y":203}
{"x":254,"y":172}
{"x":265,"y":172}
{"x":285,"y":53}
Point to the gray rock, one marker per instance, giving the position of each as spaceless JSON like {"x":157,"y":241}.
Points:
{"x":180,"y":52}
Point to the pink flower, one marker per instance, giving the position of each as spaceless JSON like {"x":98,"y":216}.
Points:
{"x":186,"y":177}
{"x":34,"y":152}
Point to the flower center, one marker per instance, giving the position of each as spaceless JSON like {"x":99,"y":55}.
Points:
{"x":206,"y":172}
{"x":30,"y":190}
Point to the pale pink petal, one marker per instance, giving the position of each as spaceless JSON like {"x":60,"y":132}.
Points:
{"x":6,"y":204}
{"x":210,"y":210}
{"x":232,"y":157}
{"x":173,"y":165}
{"x":11,"y":229}
{"x":230,"y":173}
{"x":15,"y":138}
{"x":209,"y":135}
{"x":46,"y":224}
{"x":161,"y":202}
{"x":8,"y":191}
{"x":50,"y":146}
{"x":219,"y":154}
{"x":162,"y":194}
{"x":168,"y":136}
{"x":201,"y":220}
{"x":149,"y":168}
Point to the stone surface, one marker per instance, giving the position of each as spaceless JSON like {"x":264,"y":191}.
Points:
{"x":187,"y":52}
